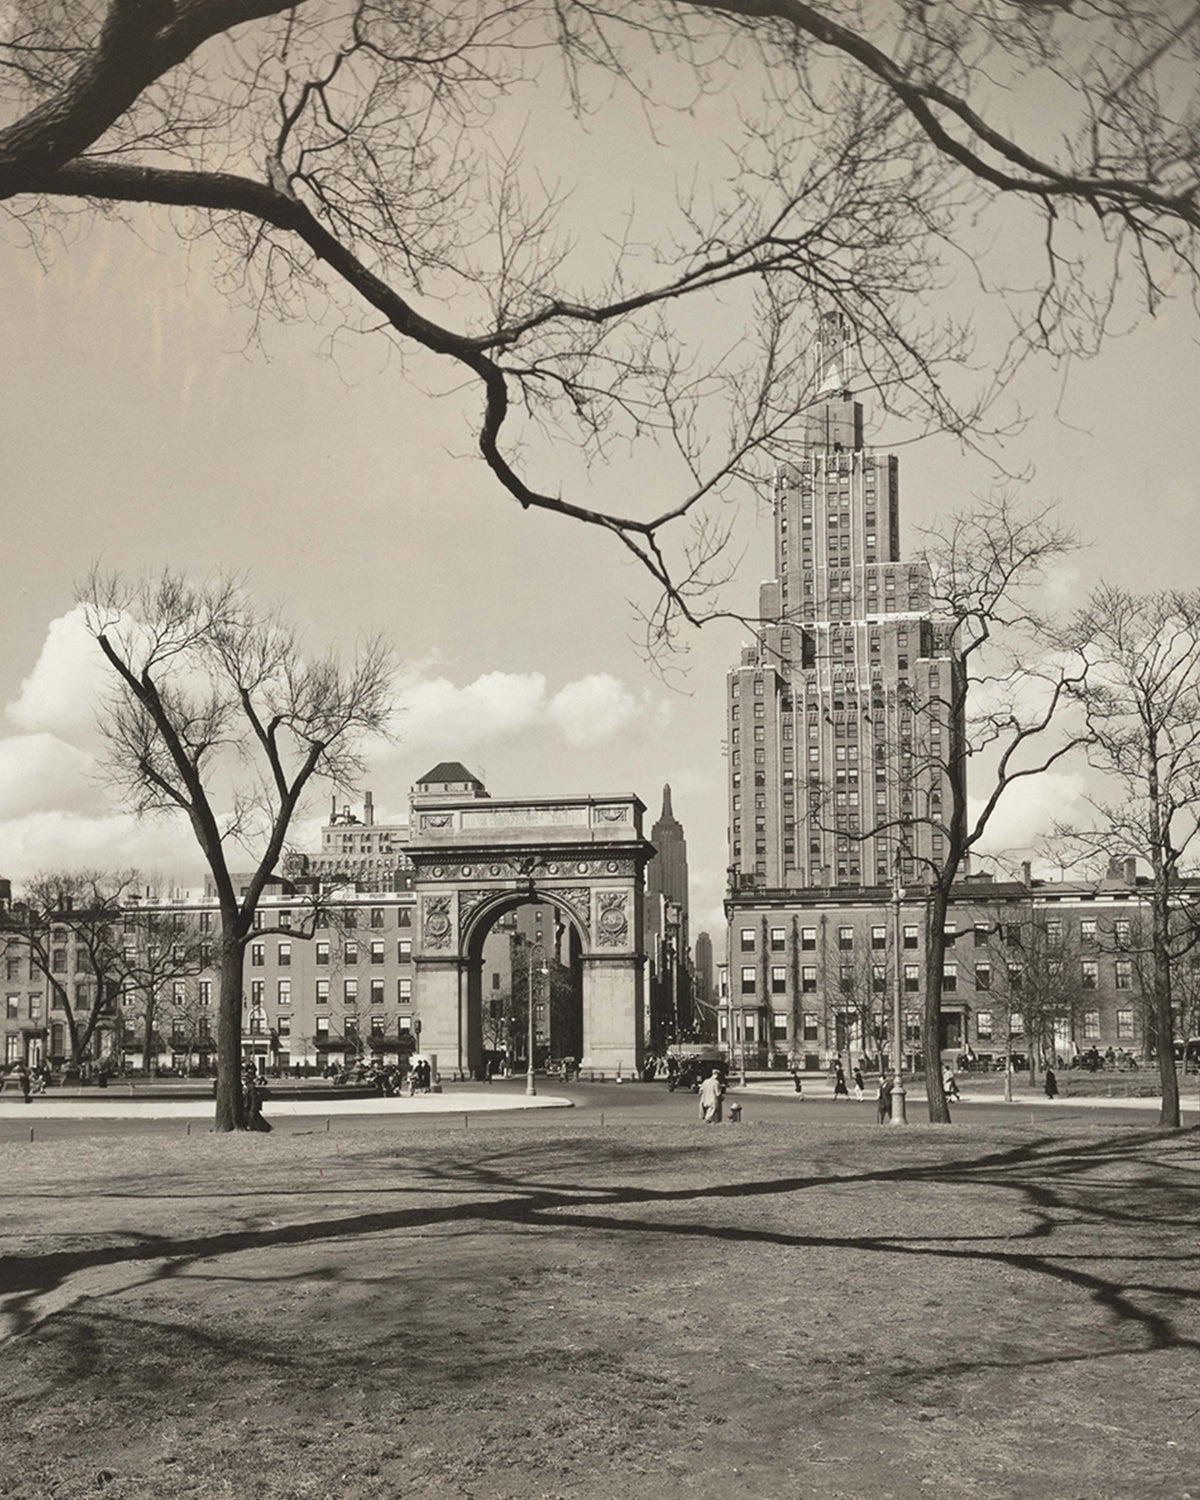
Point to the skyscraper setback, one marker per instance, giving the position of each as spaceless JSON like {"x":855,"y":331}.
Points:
{"x":838,"y":729}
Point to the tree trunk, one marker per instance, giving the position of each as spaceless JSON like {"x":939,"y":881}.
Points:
{"x":148,"y":1039}
{"x":935,"y":959}
{"x":1164,"y":1021}
{"x":229,"y":1112}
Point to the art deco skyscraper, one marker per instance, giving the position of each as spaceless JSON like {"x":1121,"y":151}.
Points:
{"x":837,"y":746}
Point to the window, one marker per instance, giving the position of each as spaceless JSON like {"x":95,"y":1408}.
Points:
{"x":1091,"y":1025}
{"x":1087,"y":930}
{"x":912,"y":1026}
{"x":779,"y":980}
{"x":949,"y":979}
{"x":404,"y":917}
{"x":283,"y":992}
{"x":377,"y":992}
{"x":878,"y":979}
{"x":11,"y":1005}
{"x":377,"y":916}
{"x":1125,"y":1026}
{"x":258,"y":992}
{"x":350,"y":952}
{"x":204,"y":992}
{"x":376,"y":953}
{"x":779,"y":1026}
{"x":285,"y":920}
{"x":778,"y":939}
{"x":912,"y":978}
{"x":1124,"y":974}
{"x":748,"y":985}
{"x":404,"y":990}
{"x":285,"y":955}
{"x":808,"y":939}
{"x":808,"y":979}
{"x":1091,"y":973}
{"x":322,"y":992}
{"x":322,"y":952}
{"x":350,"y":991}
{"x":878,"y":937}
{"x":206,"y":921}
{"x":283,"y":1026}
{"x":983,"y":1025}
{"x":58,"y":961}
{"x":983,"y":976}
{"x":178,"y":992}
{"x":258,"y":955}
{"x":845,"y":937}
{"x":981,"y":935}
{"x":1123,"y":931}
{"x":910,"y":937}
{"x":747,"y":939}
{"x":404,"y":950}
{"x":322,"y":1027}
{"x":377,"y":1025}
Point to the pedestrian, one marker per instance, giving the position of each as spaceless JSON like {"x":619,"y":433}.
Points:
{"x":797,"y":1080}
{"x":859,"y":1085}
{"x":840,"y":1091}
{"x":252,"y":1100}
{"x":23,"y":1080}
{"x":883,"y":1099}
{"x":1051,"y":1084}
{"x":710,"y":1099}
{"x":950,"y":1085}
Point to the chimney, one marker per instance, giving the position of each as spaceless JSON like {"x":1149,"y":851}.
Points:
{"x":1026,"y":872}
{"x":333,"y":808}
{"x":368,"y":810}
{"x":1131,"y":870}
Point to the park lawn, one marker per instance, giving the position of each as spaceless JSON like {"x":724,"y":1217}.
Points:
{"x":543,"y":1309}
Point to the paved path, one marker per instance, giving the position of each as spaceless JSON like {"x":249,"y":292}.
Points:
{"x":822,"y":1089}
{"x":49,"y":1107}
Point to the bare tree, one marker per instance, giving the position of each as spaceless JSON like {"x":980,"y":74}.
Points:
{"x":998,"y":715}
{"x":1035,"y":983}
{"x":1143,"y":712}
{"x":218,"y":713}
{"x":162,"y":953}
{"x":70,"y":926}
{"x":361,"y":164}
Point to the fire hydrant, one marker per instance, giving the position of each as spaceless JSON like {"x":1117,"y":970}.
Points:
{"x":735,"y":1114}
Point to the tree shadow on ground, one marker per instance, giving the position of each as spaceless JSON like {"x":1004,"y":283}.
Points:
{"x":1138,"y":1189}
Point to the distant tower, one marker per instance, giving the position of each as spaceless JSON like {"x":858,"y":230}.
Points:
{"x":667,"y":928}
{"x":837,"y":743}
{"x":702,"y":984}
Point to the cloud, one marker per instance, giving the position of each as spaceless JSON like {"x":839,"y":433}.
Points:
{"x":593,"y":709}
{"x":437,"y":715}
{"x":60,"y":694}
{"x":61,"y":839}
{"x":1029,"y":809}
{"x":39,"y":772}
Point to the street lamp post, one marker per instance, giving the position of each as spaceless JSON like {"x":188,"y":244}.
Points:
{"x":530,"y":1086}
{"x":899,"y":1099}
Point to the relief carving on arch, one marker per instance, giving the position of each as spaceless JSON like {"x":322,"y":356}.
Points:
{"x":578,"y":899}
{"x":468,"y":901}
{"x":437,"y":926}
{"x":612,"y":922}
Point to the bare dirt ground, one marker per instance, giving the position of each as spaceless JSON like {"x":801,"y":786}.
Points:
{"x":561,"y":1312}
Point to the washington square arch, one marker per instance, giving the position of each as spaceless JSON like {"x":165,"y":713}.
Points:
{"x":475,"y":858}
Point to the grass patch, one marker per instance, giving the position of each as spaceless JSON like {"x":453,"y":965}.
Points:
{"x":568,"y":1313}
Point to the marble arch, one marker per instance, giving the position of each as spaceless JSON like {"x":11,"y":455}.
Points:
{"x":475,"y":858}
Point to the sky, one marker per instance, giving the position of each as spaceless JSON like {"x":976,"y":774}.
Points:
{"x":140,"y":429}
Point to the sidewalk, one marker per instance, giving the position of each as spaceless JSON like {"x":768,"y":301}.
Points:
{"x":50,"y":1107}
{"x":821,"y":1087}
